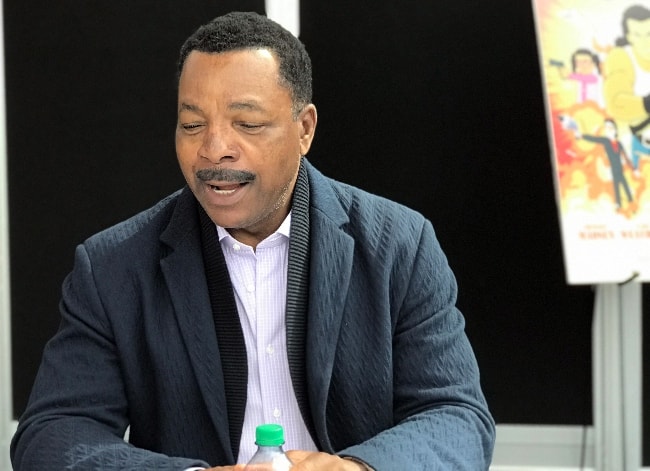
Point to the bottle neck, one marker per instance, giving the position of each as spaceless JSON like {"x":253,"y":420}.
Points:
{"x":270,"y":447}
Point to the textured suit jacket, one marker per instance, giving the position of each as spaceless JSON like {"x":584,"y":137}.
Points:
{"x":389,"y":373}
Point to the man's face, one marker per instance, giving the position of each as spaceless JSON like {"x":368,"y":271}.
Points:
{"x":638,"y":36}
{"x":234,"y":116}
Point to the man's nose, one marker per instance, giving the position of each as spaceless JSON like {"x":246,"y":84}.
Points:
{"x":218,"y":145}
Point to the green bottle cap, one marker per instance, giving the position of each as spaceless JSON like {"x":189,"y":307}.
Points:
{"x":269,"y":435}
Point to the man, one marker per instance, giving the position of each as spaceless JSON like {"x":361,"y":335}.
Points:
{"x":627,"y":78}
{"x":261,"y":292}
{"x":616,"y":155}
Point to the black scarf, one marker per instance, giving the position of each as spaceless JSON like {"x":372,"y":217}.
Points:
{"x":226,"y":319}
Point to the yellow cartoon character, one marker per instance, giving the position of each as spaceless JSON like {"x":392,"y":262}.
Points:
{"x":627,"y":77}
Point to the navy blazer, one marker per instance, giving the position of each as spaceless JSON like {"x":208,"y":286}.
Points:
{"x":390,"y":375}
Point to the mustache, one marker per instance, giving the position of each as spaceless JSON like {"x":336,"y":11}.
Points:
{"x":225,"y":175}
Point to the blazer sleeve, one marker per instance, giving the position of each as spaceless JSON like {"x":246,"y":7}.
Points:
{"x":441,"y":418}
{"x":77,"y":413}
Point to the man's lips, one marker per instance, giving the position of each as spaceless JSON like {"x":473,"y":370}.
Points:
{"x":224,"y":182}
{"x":226,"y":188}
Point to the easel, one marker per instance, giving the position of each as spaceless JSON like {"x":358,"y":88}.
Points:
{"x":617,"y":376}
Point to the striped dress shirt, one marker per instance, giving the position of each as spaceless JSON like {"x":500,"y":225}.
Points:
{"x":259,"y":279}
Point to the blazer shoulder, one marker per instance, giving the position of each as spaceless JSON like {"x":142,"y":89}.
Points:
{"x":147,"y":224}
{"x":362,"y":201}
{"x":333,"y":196}
{"x":376,"y":221}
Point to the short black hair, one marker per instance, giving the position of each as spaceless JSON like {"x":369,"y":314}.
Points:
{"x":635,"y":12}
{"x":248,"y":30}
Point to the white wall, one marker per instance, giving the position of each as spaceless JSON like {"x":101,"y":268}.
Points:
{"x":6,"y":406}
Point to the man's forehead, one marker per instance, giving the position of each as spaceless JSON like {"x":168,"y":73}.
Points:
{"x":256,"y":60}
{"x":262,"y":52}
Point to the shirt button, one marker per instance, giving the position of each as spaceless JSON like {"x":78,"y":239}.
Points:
{"x":236,"y":247}
{"x":270,"y":350}
{"x":276,"y":413}
{"x":250,"y":288}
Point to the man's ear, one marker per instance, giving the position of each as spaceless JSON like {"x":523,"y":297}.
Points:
{"x":307,"y":120}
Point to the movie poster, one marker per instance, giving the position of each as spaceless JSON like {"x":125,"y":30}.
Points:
{"x":595,"y":63}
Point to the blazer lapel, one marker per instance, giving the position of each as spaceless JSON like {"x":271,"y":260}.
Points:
{"x":330,"y":269}
{"x":185,"y":276}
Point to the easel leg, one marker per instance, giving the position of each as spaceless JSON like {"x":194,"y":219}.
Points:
{"x":617,"y":369}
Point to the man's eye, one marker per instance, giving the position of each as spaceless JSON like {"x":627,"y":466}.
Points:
{"x":191,"y":127}
{"x":251,"y":127}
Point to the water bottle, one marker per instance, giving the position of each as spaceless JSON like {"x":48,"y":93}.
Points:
{"x":269,"y":456}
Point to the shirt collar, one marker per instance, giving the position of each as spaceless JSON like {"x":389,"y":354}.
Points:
{"x":283,"y":230}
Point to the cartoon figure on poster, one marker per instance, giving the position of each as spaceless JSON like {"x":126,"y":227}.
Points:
{"x":628,"y":84}
{"x":595,"y":57}
{"x":585,"y":71}
{"x":613,"y":94}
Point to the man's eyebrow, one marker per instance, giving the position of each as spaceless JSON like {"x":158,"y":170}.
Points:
{"x":248,"y":105}
{"x":188,"y":107}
